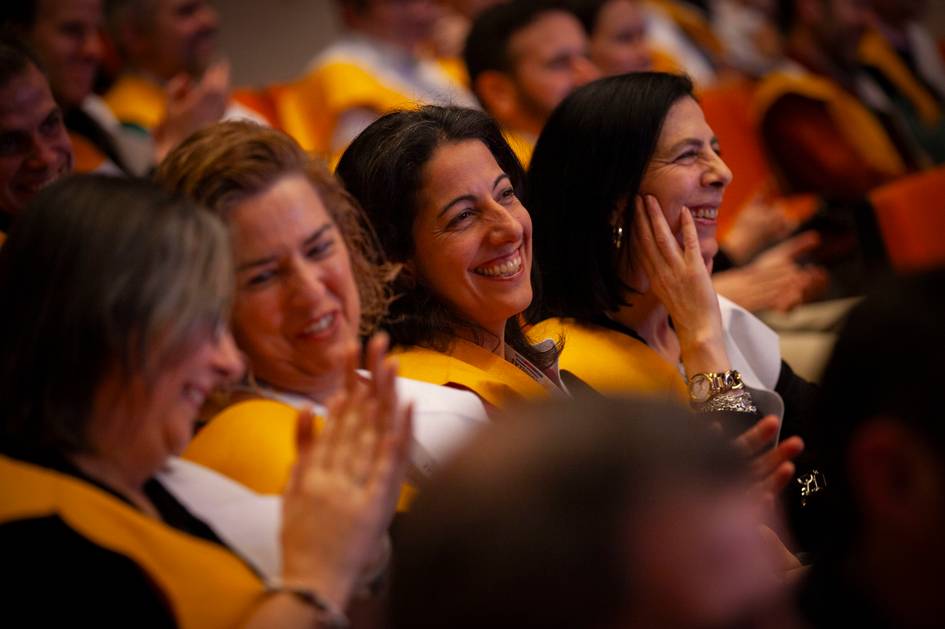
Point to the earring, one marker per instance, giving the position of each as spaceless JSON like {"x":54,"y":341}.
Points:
{"x":618,"y":236}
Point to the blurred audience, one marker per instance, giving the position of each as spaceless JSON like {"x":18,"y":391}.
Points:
{"x":901,"y":56}
{"x":883,"y":446}
{"x":34,"y":145}
{"x":66,"y":36}
{"x":617,"y":34}
{"x":593,"y":514}
{"x":523,"y":58}
{"x":376,"y":66}
{"x":749,"y":34}
{"x":174,"y":81}
{"x":821,"y":128}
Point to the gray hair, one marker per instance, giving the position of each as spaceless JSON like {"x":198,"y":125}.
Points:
{"x":101,"y":275}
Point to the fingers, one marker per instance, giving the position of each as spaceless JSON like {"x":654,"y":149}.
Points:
{"x":794,"y":247}
{"x":786,"y":451}
{"x":691,"y":249}
{"x":758,"y":436}
{"x":662,"y":235}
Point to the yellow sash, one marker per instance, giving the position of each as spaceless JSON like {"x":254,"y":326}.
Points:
{"x":875,"y":51}
{"x":138,"y":101}
{"x":854,"y":121}
{"x":522,"y":146}
{"x":253,"y":442}
{"x":489,"y":376}
{"x":611,"y":362}
{"x":207,"y":586}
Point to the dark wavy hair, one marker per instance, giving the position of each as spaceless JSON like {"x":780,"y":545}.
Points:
{"x":590,"y":157}
{"x":382,"y":169}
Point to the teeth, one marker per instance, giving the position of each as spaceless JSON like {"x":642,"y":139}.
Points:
{"x":320,"y":325}
{"x":509,"y":267}
{"x":706,"y":213}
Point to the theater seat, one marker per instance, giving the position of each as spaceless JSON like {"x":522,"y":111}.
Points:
{"x":911,"y":216}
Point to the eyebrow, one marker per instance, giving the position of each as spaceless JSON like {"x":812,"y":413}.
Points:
{"x":469,"y":197}
{"x":690,"y":142}
{"x":315,"y":235}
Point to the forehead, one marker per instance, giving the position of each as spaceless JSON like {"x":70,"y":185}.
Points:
{"x":547,"y":35}
{"x":458,"y":168}
{"x":683,"y":121}
{"x":25,"y":101}
{"x":290,"y":206}
{"x":60,"y":10}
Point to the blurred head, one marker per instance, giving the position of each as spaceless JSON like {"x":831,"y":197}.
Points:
{"x":440,"y":186}
{"x":898,"y":13}
{"x":120,"y":322}
{"x":610,"y":141}
{"x":616,"y":31}
{"x":835,"y":26}
{"x":585,"y":513}
{"x":523,"y":58}
{"x":65,"y":35}
{"x":882,"y":442}
{"x":309,"y":275}
{"x":34,"y":145}
{"x":471,"y":8}
{"x":165,"y":37}
{"x":404,"y":22}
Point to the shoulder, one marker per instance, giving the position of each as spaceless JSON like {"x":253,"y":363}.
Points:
{"x":252,"y":442}
{"x":50,"y":562}
{"x":609,"y":361}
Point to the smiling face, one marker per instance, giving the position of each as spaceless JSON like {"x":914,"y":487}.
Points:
{"x":181,"y":37}
{"x":34,"y":145}
{"x":472,"y":236}
{"x":163,"y":408}
{"x":66,"y":37}
{"x":686,"y":170}
{"x":297,"y":308}
{"x":549,"y":57}
{"x":618,"y":43}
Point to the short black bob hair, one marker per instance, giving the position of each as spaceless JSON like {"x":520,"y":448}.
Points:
{"x":382,"y":169}
{"x":590,"y":157}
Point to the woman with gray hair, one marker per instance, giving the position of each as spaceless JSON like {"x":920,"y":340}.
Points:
{"x":116,"y":300}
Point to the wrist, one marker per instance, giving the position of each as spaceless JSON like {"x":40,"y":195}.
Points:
{"x":328,"y":615}
{"x":704,"y":354}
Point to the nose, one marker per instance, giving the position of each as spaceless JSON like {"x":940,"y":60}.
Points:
{"x":504,"y":225}
{"x":92,"y":46}
{"x":44,"y":154}
{"x":718,"y":173}
{"x":583,"y":70}
{"x":307,"y":287}
{"x":227,"y":360}
{"x":209,"y":17}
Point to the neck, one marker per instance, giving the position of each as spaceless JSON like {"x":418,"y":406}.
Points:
{"x":491,"y":339}
{"x":121,"y":478}
{"x":647,"y":316}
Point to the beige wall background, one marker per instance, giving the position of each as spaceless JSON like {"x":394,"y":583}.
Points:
{"x":271,"y":41}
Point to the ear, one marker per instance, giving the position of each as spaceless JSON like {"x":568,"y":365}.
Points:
{"x":893,"y":474}
{"x":498,"y":94}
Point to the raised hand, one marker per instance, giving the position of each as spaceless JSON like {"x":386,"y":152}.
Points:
{"x":772,"y":469}
{"x":192,"y":105}
{"x":342,"y":491}
{"x":679,"y":278}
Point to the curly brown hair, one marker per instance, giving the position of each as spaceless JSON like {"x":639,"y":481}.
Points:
{"x":230,"y":162}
